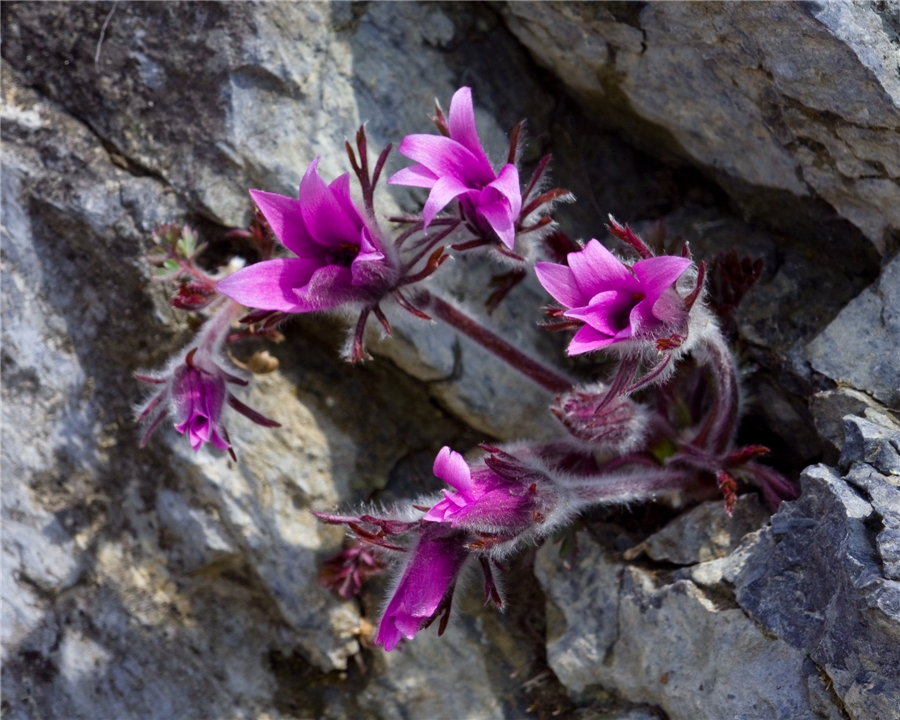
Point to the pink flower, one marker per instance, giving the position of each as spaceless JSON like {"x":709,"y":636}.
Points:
{"x":426,"y":586}
{"x":456,"y":167}
{"x":616,"y":302}
{"x":198,"y":398}
{"x":193,"y":392}
{"x":340,"y":255}
{"x":483,"y":499}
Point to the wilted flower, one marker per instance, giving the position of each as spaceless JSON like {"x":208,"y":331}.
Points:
{"x":194,"y":390}
{"x":456,"y":167}
{"x":346,"y":572}
{"x":341,"y":257}
{"x":426,"y":586}
{"x":616,"y":302}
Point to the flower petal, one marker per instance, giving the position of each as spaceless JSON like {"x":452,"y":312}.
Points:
{"x":669,"y":308}
{"x":413,"y":176}
{"x":452,"y":468}
{"x":324,"y":216}
{"x":461,"y":123}
{"x":284,"y":217}
{"x":445,"y":157}
{"x":271,"y":284}
{"x":368,"y":266}
{"x":328,"y":287}
{"x":340,"y":188}
{"x":507,"y":184}
{"x":607,"y":312}
{"x":657,"y":274}
{"x":596,"y":270}
{"x":499,"y":217}
{"x":559,"y":281}
{"x":445,"y":189}
{"x":588,"y":339}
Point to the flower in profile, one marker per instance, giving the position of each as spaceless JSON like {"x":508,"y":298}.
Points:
{"x":616,"y":302}
{"x":456,"y":167}
{"x":194,"y":390}
{"x":426,"y":586}
{"x":341,"y":257}
{"x":483,"y":498}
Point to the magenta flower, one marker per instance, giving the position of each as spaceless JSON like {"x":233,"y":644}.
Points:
{"x":340,"y":255}
{"x":193,"y":392}
{"x":426,"y":586}
{"x":616,"y":302}
{"x":484,"y":499}
{"x":456,"y":167}
{"x":198,"y":398}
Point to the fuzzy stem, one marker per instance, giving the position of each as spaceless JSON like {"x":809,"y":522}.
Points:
{"x":543,"y":376}
{"x":617,"y":488}
{"x":215,"y":330}
{"x":720,"y":424}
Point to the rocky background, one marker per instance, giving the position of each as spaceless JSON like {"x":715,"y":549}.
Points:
{"x":157,"y":583}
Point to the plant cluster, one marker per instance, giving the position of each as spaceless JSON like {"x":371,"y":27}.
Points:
{"x":662,"y":425}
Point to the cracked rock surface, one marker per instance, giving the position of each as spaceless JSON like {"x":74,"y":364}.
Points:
{"x":157,"y":583}
{"x":801,"y":99}
{"x":801,"y":621}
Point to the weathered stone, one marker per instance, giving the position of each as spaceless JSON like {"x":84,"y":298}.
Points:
{"x":861,"y":347}
{"x":160,"y":583}
{"x":876,"y":443}
{"x":705,"y":533}
{"x":830,"y":407}
{"x":815,"y":581}
{"x":671,"y":644}
{"x":720,"y":83}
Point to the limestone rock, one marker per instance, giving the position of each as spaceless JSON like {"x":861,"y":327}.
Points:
{"x":794,"y":99}
{"x":831,"y":406}
{"x":861,"y":347}
{"x":818,"y":582}
{"x":705,"y":533}
{"x":672,"y":644}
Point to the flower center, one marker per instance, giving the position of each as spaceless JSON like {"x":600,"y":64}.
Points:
{"x":343,"y":255}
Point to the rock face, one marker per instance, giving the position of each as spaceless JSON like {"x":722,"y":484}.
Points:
{"x":799,"y":99}
{"x":800,"y":621}
{"x":868,"y":328}
{"x":158,"y":583}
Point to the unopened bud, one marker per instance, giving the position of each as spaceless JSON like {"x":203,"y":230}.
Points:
{"x":616,"y":425}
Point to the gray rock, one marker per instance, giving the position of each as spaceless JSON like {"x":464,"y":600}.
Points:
{"x":671,"y":644}
{"x":157,"y":582}
{"x":815,"y":581}
{"x":705,"y":533}
{"x":861,"y":347}
{"x":271,"y":111}
{"x":721,"y":84}
{"x":829,"y":408}
{"x":876,"y":443}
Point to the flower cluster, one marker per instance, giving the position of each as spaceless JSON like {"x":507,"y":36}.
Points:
{"x":326,"y":251}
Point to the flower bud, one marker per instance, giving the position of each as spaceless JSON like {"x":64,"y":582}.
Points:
{"x":618,"y":425}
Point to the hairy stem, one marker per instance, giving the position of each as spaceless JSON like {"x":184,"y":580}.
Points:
{"x":720,"y":424}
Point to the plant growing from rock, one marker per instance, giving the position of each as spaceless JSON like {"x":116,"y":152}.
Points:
{"x":655,"y":428}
